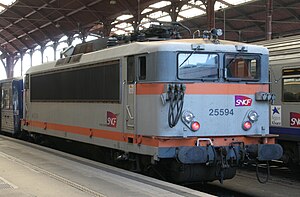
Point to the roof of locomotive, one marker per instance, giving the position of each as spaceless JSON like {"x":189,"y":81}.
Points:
{"x":113,"y":53}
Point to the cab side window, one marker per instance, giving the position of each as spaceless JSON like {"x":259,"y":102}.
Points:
{"x":131,"y":69}
{"x":142,"y":68}
{"x":136,"y":68}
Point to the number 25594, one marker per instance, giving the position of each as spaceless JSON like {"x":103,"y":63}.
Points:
{"x":221,"y":112}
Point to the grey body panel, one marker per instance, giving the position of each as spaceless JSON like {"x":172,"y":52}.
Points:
{"x":152,"y":116}
{"x":149,"y":114}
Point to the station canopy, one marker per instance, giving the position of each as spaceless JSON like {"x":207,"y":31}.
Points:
{"x":25,"y":24}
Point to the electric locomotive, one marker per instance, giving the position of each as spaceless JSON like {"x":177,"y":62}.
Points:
{"x":196,"y":109}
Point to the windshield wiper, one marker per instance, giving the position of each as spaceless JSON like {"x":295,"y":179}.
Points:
{"x":187,"y":58}
{"x":232,"y":60}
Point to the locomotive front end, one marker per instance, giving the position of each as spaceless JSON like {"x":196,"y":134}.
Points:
{"x":217,"y":112}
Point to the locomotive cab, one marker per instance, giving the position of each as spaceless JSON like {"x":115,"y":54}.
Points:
{"x":208,"y":108}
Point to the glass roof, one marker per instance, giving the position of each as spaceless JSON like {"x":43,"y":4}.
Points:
{"x":4,"y":3}
{"x":191,"y":9}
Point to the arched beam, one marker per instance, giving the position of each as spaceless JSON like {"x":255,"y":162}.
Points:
{"x":37,"y":28}
{"x":175,"y":8}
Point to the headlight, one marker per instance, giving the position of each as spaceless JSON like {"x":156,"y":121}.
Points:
{"x":217,"y":32}
{"x":187,"y":116}
{"x":253,"y":116}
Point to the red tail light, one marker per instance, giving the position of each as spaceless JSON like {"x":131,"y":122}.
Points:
{"x":195,"y":126}
{"x":247,"y":125}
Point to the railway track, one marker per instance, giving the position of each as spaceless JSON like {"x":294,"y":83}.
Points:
{"x":279,"y":171}
{"x":282,"y":182}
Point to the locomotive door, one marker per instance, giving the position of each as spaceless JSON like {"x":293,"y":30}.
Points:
{"x":136,"y":71}
{"x":129,"y":91}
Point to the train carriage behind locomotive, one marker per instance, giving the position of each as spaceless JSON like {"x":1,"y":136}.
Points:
{"x":11,"y":111}
{"x":285,"y":84}
{"x":197,"y":108}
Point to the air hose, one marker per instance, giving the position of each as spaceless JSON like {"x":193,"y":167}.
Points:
{"x":175,"y":97}
{"x":268,"y":174}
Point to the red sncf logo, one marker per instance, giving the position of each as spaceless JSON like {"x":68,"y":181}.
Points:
{"x":242,"y":101}
{"x":111,"y":119}
{"x":294,"y":119}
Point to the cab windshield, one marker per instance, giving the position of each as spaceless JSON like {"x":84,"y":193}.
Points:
{"x":197,"y":65}
{"x":242,"y":67}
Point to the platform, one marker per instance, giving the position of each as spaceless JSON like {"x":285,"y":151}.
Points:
{"x":32,"y":170}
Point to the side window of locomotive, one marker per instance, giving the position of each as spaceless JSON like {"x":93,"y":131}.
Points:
{"x":291,"y":85}
{"x":197,"y":66}
{"x":242,"y":67}
{"x":130,"y":69}
{"x":142,"y":68}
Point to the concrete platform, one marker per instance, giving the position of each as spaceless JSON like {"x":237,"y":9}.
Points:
{"x":30,"y":170}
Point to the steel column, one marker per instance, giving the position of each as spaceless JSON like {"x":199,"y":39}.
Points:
{"x":210,"y":10}
{"x":269,"y":12}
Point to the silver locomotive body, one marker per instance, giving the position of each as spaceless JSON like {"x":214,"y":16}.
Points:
{"x":189,"y":104}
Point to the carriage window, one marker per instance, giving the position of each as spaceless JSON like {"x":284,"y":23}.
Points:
{"x":197,"y":66}
{"x":242,"y":67}
{"x":6,"y":99}
{"x":291,"y":85}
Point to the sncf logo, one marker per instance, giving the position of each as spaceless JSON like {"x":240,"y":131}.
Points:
{"x":111,"y":119}
{"x":242,"y":101}
{"x":294,"y":119}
